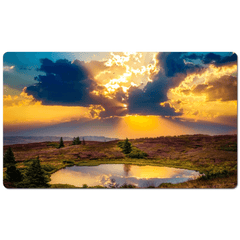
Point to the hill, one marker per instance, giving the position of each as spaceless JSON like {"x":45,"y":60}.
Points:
{"x":215,"y":156}
{"x":9,"y":140}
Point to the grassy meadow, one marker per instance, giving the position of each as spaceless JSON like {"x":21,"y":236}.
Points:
{"x":213,"y":156}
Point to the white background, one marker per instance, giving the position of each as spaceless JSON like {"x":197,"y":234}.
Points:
{"x":119,"y":26}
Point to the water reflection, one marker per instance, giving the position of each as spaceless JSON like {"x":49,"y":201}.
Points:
{"x":126,"y":168}
{"x":120,"y":174}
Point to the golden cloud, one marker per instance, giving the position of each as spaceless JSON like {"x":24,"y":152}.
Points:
{"x":207,"y":95}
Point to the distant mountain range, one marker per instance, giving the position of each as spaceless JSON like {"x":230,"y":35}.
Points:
{"x":9,"y":140}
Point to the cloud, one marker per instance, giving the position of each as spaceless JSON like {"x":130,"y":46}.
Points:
{"x":193,"y":56}
{"x":150,"y":99}
{"x":211,"y":58}
{"x":218,"y":60}
{"x":224,"y":89}
{"x":8,"y":68}
{"x":113,"y":87}
{"x":147,"y":101}
{"x":65,"y":83}
{"x":173,"y":64}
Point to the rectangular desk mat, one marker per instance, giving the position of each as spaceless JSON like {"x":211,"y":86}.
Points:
{"x":119,"y":120}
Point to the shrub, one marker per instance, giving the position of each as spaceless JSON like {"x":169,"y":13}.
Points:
{"x":229,"y":147}
{"x":52,"y":144}
{"x":165,"y":185}
{"x":136,"y":153}
{"x":214,"y":173}
{"x":125,"y":185}
{"x":69,"y":162}
{"x":48,"y":168}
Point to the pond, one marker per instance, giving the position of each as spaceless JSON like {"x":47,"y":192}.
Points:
{"x":119,"y":174}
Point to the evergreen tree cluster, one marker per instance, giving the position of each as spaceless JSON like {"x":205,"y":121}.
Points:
{"x":12,"y":173}
{"x":76,"y":141}
{"x":35,"y":176}
{"x":31,"y":177}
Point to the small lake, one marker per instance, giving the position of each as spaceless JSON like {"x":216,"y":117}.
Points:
{"x":119,"y":174}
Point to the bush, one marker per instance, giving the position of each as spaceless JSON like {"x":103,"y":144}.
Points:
{"x":120,"y":144}
{"x":125,"y":185}
{"x":53,"y":144}
{"x":165,"y":185}
{"x":136,"y":153}
{"x":229,"y":147}
{"x":216,"y":174}
{"x":48,"y":168}
{"x":69,"y":162}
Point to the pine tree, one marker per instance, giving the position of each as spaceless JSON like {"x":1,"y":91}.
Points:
{"x":78,"y":140}
{"x":13,"y":174}
{"x":127,"y":148}
{"x":35,"y":177}
{"x":83,"y":142}
{"x":9,"y":159}
{"x":61,"y":143}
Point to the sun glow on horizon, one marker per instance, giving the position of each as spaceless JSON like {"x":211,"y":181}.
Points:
{"x":137,"y":126}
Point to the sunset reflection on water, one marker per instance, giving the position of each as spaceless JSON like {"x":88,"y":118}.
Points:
{"x":140,"y":176}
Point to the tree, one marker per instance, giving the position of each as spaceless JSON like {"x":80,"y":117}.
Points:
{"x":9,"y":159}
{"x":61,"y":143}
{"x":127,"y":147}
{"x":13,"y":174}
{"x":83,"y":142}
{"x":76,"y":141}
{"x":35,"y":176}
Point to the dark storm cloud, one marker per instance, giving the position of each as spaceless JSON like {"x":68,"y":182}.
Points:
{"x":147,"y":101}
{"x":173,"y":64}
{"x":219,"y":60}
{"x":65,"y":83}
{"x":211,"y":57}
{"x":228,"y":60}
{"x":193,"y":56}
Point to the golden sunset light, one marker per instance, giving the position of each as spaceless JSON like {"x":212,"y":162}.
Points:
{"x":141,"y":89}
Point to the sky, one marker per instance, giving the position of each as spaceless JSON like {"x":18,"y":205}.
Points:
{"x":119,"y":94}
